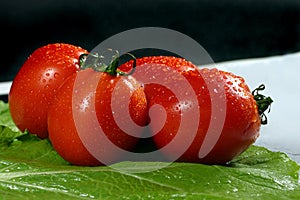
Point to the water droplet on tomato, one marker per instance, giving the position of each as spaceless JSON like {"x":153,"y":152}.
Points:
{"x":56,"y":75}
{"x":60,"y":62}
{"x":243,"y":107}
{"x":254,"y":119}
{"x":219,"y":79}
{"x":170,"y":97}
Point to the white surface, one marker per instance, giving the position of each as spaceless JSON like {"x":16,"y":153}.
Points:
{"x":4,"y":88}
{"x":281,"y":76}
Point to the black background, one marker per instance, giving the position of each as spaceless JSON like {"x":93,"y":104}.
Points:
{"x":227,"y":29}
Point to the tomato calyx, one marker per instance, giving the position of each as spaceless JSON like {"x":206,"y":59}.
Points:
{"x":96,"y":62}
{"x":263,"y":103}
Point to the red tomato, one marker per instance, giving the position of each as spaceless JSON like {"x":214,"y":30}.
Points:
{"x":240,"y":129}
{"x":87,"y":101}
{"x":37,"y":81}
{"x":241,"y":121}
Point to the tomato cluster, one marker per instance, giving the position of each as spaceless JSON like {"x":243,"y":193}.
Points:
{"x":53,"y":98}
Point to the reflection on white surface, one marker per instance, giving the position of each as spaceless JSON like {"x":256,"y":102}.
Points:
{"x":280,"y":75}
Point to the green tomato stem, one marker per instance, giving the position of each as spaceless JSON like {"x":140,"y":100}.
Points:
{"x":94,"y":61}
{"x":263,"y":103}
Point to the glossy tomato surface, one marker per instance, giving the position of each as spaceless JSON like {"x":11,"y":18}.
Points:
{"x":84,"y":119}
{"x":239,"y":129}
{"x":36,"y":83}
{"x":228,"y":121}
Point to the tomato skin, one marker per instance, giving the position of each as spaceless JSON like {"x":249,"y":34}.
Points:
{"x":70,"y":114}
{"x":37,"y":81}
{"x":242,"y":122}
{"x":241,"y":126}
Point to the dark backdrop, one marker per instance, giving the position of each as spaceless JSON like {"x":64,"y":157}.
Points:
{"x":227,"y":29}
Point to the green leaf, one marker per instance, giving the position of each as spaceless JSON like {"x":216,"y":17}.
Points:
{"x":31,"y":169}
{"x":8,"y":129}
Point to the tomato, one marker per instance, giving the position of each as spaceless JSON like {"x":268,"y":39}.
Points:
{"x":36,"y":83}
{"x":240,"y":129}
{"x":228,"y":121}
{"x":90,"y":103}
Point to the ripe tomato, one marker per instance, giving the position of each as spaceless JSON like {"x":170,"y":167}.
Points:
{"x":37,"y":81}
{"x":240,"y":129}
{"x":240,"y":126}
{"x":87,"y":101}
